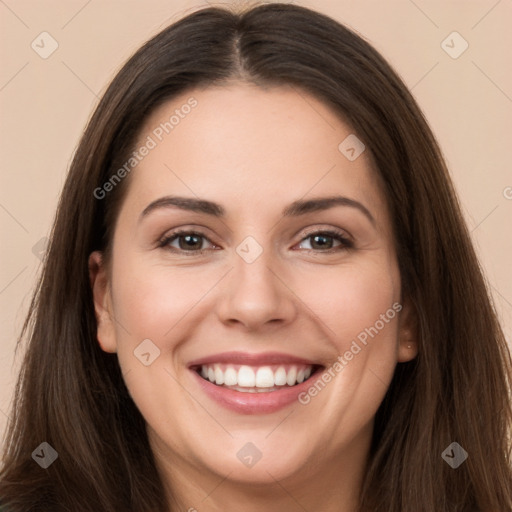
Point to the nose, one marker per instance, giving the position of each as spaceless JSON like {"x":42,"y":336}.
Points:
{"x":256,"y":294}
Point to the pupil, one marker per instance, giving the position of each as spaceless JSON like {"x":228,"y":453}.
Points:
{"x":189,"y":241}
{"x":321,"y":237}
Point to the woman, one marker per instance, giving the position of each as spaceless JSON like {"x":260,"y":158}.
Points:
{"x":260,"y":293}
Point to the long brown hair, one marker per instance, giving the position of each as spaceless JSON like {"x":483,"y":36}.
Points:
{"x":71,"y":394}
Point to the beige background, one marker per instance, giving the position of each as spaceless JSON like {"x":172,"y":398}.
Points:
{"x":45,"y":104}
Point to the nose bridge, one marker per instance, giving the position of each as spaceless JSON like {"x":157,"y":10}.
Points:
{"x":255,"y":293}
{"x":253,"y":268}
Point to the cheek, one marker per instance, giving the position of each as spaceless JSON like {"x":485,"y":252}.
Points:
{"x":154,"y":302}
{"x":360,"y":308}
{"x":350,"y":299}
{"x":151,"y":300}
{"x":358,"y":305}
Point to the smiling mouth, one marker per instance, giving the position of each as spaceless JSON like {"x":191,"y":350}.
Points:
{"x":257,"y":379}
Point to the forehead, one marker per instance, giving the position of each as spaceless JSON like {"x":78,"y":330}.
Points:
{"x":245,"y":142}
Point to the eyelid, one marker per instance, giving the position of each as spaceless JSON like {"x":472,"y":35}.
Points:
{"x":328,"y":229}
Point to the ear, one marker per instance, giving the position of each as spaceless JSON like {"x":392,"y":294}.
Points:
{"x":102,"y":302}
{"x":407,"y":333}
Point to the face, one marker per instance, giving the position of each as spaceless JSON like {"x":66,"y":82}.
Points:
{"x":289,"y":303}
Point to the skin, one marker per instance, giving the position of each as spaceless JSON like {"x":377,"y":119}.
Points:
{"x":254,"y":151}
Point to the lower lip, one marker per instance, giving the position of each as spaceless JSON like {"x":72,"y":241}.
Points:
{"x":252,"y":403}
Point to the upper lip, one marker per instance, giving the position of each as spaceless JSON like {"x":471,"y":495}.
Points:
{"x":250,"y":359}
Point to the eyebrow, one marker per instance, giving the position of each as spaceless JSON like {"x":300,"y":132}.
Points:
{"x":295,"y":209}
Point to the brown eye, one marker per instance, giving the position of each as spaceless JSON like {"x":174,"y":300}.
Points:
{"x":325,"y":241}
{"x":187,"y":241}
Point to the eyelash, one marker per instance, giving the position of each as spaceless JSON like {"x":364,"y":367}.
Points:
{"x":346,"y":244}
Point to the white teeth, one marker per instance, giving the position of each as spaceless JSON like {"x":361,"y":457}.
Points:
{"x":280,"y":377}
{"x":259,"y":379}
{"x":230,"y":377}
{"x":291,"y":377}
{"x":246,"y":377}
{"x":219,"y":375}
{"x":264,"y":377}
